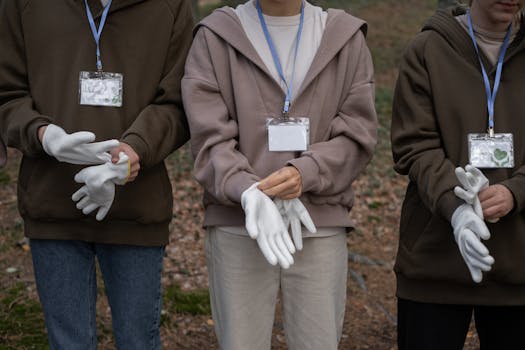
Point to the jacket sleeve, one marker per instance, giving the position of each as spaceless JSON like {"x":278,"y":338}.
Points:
{"x":516,"y":185}
{"x":219,"y":167}
{"x":161,"y":127}
{"x":19,"y":120}
{"x":330,"y":167}
{"x":416,"y":141}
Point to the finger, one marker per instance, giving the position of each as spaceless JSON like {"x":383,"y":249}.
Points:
{"x":297,"y":233}
{"x":272,"y":180}
{"x":461,"y":193}
{"x":283,"y":248}
{"x":307,"y":221}
{"x":282,"y":189}
{"x":79,"y":138}
{"x":104,"y":146}
{"x":477,"y":208}
{"x":102,"y":212}
{"x":479,"y":228}
{"x":80,"y":177}
{"x":283,"y":261}
{"x":84,"y":202}
{"x":251,"y":225}
{"x":479,"y":264}
{"x":265,"y":249}
{"x":475,"y":247}
{"x":79,"y":194}
{"x":476,"y":274}
{"x":289,"y":244}
{"x":474,"y":171}
{"x":89,"y":208}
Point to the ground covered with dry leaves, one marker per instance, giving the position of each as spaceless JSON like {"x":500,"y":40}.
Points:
{"x":370,"y":320}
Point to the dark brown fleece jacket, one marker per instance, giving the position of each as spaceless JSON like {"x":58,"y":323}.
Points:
{"x":439,"y":99}
{"x":44,"y":45}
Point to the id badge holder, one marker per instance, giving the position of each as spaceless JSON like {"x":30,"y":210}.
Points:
{"x":487,"y":151}
{"x":290,"y":134}
{"x":101,"y":89}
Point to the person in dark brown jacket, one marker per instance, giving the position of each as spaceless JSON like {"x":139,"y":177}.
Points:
{"x":457,"y":104}
{"x":73,"y":72}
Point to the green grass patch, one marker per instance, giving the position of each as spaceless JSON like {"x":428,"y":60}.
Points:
{"x":21,"y":321}
{"x":196,"y":302}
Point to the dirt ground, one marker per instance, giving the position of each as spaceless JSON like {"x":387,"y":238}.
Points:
{"x":370,"y":320}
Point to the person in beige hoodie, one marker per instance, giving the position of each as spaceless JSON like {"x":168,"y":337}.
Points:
{"x":233,"y":89}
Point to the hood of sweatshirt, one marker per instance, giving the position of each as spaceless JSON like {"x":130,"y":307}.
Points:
{"x":444,"y":24}
{"x":340,"y":28}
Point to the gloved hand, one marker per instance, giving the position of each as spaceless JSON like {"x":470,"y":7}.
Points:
{"x":264,"y":223}
{"x":99,"y":188}
{"x":469,"y":229}
{"x":76,"y":148}
{"x":294,"y":213}
{"x":473,"y":181}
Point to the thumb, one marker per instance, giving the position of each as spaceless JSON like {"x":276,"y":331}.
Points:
{"x":81,"y":176}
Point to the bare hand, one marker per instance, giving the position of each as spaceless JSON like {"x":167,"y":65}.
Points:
{"x":41,"y":131}
{"x":285,"y":183}
{"x":496,"y":201}
{"x":133,"y":159}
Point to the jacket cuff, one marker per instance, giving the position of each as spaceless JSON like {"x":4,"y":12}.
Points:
{"x":32,"y":130}
{"x":516,"y":186}
{"x":309,"y":171}
{"x":139,"y":146}
{"x":236,"y":184}
{"x":448,"y":203}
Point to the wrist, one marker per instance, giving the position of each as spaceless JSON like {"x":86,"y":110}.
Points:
{"x":40,"y":132}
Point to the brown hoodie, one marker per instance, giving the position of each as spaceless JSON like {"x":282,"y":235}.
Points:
{"x":43,"y":47}
{"x":439,"y":99}
{"x":228,"y":93}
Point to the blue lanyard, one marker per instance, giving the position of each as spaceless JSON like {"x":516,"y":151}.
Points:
{"x":98,"y":32}
{"x":491,"y":95}
{"x":273,"y":50}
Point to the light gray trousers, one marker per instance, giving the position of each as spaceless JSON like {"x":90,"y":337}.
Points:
{"x":244,"y":289}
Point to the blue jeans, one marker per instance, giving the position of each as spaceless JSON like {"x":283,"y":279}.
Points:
{"x":67,"y":287}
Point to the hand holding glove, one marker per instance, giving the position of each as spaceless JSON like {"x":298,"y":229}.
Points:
{"x":473,"y":181}
{"x":469,"y":229}
{"x":76,"y":148}
{"x":265,"y":224}
{"x":294,"y":213}
{"x":99,"y":188}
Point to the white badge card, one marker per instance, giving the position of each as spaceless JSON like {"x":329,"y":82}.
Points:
{"x":101,"y":89}
{"x":291,"y":134}
{"x":491,"y":152}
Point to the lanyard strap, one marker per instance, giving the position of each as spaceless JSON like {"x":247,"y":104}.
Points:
{"x":98,"y":32}
{"x":275,"y":57}
{"x":491,"y":95}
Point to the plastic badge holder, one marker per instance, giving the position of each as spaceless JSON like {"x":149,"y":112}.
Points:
{"x":291,"y":134}
{"x":491,"y":152}
{"x":101,"y":89}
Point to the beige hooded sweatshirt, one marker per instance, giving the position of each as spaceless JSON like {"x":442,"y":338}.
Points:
{"x":228,"y":95}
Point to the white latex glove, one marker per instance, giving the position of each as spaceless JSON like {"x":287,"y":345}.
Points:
{"x":294,"y":213}
{"x":469,"y":229}
{"x":473,"y":181}
{"x":265,"y":224}
{"x":99,"y":189}
{"x":76,"y":148}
